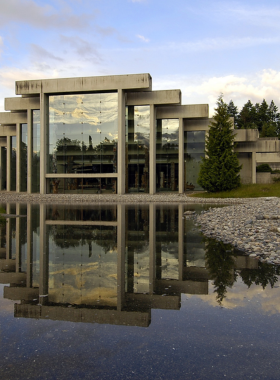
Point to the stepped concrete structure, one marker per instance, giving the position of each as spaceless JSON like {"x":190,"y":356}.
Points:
{"x":110,"y":134}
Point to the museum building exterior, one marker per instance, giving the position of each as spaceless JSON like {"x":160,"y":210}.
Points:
{"x":110,"y":134}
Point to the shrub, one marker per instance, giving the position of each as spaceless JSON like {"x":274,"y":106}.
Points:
{"x":264,"y":168}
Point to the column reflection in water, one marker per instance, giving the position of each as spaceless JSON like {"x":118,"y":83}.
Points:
{"x":112,"y":264}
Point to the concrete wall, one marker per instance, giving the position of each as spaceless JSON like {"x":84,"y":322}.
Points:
{"x":264,"y":178}
{"x":245,"y":159}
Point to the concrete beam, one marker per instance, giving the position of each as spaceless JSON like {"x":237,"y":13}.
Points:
{"x":153,"y":97}
{"x":260,"y":146}
{"x":7,"y":118}
{"x":13,"y":278}
{"x":22,"y":104}
{"x":7,"y":265}
{"x":246,"y":135}
{"x":8,"y":130}
{"x":185,"y":112}
{"x":21,"y":293}
{"x":264,"y":158}
{"x":153,"y":301}
{"x":84,"y":84}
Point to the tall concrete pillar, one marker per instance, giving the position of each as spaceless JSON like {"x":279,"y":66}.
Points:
{"x":254,"y":174}
{"x":181,"y":180}
{"x":121,"y":142}
{"x":153,"y":134}
{"x":18,"y":159}
{"x":44,"y":258}
{"x":8,"y":232}
{"x":44,"y":133}
{"x":121,"y":257}
{"x":9,"y":158}
{"x":152,"y":246}
{"x":29,"y":150}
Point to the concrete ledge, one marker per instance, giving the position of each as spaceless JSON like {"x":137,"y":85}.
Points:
{"x":246,"y":135}
{"x":186,"y":111}
{"x":153,"y":97}
{"x":87,"y":84}
{"x":20,"y":104}
{"x":21,"y":293}
{"x":13,"y":117}
{"x":8,"y":131}
{"x":13,"y":278}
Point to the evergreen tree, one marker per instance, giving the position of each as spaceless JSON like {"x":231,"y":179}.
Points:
{"x":233,"y":112}
{"x":220,"y":168}
{"x":247,"y":117}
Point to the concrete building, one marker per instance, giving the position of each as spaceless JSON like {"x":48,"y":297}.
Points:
{"x":110,"y":134}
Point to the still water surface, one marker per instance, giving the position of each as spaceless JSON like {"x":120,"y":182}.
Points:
{"x":131,"y":292}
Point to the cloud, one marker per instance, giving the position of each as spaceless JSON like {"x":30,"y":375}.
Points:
{"x":82,"y":48}
{"x":1,"y":45}
{"x":42,"y":54}
{"x":143,"y":38}
{"x":41,"y":16}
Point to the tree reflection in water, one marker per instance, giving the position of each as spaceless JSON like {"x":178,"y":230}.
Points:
{"x":220,"y":263}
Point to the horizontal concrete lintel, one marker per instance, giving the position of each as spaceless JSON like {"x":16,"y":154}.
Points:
{"x":246,"y":135}
{"x":20,"y":104}
{"x":268,"y":157}
{"x":68,"y":175}
{"x":84,"y":84}
{"x":153,"y":97}
{"x":183,"y":111}
{"x":259,"y":146}
{"x":80,"y":223}
{"x":9,"y":118}
{"x":6,"y":131}
{"x":21,"y":293}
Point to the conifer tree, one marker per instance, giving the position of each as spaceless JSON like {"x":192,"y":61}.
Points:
{"x":220,"y":168}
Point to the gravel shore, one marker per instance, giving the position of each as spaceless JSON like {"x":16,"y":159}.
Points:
{"x":252,"y":227}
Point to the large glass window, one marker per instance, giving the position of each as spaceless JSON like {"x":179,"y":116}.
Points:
{"x":23,"y":157}
{"x":167,"y":155}
{"x":82,"y":185}
{"x":137,"y":151}
{"x":13,"y":173}
{"x":194,"y":146}
{"x":83,"y":133}
{"x":35,"y":170}
{"x":3,"y":168}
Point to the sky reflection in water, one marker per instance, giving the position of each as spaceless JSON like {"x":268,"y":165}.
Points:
{"x":197,"y":323}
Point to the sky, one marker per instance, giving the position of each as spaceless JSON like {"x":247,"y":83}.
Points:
{"x":203,"y":47}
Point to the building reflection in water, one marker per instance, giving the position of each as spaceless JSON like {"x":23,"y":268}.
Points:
{"x":105,"y":264}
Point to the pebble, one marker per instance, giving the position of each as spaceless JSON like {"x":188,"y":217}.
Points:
{"x":252,"y":227}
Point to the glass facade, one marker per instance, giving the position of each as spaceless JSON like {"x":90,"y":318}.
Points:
{"x":167,"y":152}
{"x":23,"y":157}
{"x":35,"y":170}
{"x":83,"y":133}
{"x":194,"y":147}
{"x":137,"y":148}
{"x":3,"y":168}
{"x":13,"y":173}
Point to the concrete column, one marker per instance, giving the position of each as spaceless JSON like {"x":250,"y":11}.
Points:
{"x":29,"y":150}
{"x":18,"y":253}
{"x":181,"y":179}
{"x":181,"y":222}
{"x":44,"y":259}
{"x":254,"y":174}
{"x":153,"y":134}
{"x":44,"y":133}
{"x":121,"y":257}
{"x":152,"y":246}
{"x":9,"y":156}
{"x":1,"y":185}
{"x":121,"y":142}
{"x":18,"y":159}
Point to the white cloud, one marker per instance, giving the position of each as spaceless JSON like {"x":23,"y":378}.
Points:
{"x":1,"y":45}
{"x":256,"y":87}
{"x":41,"y":16}
{"x":142,"y":38}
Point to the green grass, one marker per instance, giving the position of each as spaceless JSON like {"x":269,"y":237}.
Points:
{"x":245,"y":191}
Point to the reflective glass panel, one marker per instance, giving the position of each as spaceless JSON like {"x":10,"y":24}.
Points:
{"x":23,"y":158}
{"x":137,"y":151}
{"x":13,"y":172}
{"x":83,"y":133}
{"x":82,"y":185}
{"x":35,"y":170}
{"x":167,"y":145}
{"x":3,"y":168}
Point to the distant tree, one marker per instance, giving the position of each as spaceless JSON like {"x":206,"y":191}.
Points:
{"x":247,"y":117}
{"x":220,"y":168}
{"x":233,"y":112}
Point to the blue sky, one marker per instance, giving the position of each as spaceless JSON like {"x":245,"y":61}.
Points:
{"x":202,"y":47}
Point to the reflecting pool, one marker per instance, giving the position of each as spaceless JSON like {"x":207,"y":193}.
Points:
{"x":121,"y":291}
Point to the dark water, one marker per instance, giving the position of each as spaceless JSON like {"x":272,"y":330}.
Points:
{"x":131,"y":292}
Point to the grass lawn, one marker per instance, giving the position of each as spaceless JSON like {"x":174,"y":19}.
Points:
{"x":245,"y":191}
